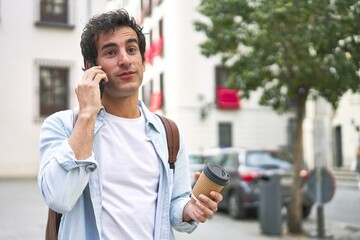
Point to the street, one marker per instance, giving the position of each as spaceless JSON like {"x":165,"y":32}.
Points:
{"x":344,"y":207}
{"x":22,"y":211}
{"x":341,"y":214}
{"x":23,"y":216}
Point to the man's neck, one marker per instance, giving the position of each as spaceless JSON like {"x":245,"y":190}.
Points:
{"x":124,"y":107}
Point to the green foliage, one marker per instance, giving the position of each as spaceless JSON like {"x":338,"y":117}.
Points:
{"x":285,"y":46}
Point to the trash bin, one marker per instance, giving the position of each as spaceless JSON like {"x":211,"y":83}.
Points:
{"x":270,"y":205}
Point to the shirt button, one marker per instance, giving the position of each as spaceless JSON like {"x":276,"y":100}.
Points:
{"x":90,"y":167}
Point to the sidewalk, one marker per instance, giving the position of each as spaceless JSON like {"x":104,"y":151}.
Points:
{"x":333,"y":230}
{"x":250,"y":230}
{"x":23,"y":216}
{"x":22,"y":212}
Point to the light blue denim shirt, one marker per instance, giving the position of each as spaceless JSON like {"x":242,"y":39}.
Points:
{"x":74,"y":188}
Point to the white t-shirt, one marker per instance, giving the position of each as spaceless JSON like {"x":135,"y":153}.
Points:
{"x":130,"y":177}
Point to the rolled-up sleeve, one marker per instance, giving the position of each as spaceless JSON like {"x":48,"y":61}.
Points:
{"x":178,"y":222}
{"x":66,"y":158}
{"x":181,"y":192}
{"x":61,"y":178}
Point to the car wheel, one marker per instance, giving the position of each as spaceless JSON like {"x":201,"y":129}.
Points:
{"x":235,"y":207}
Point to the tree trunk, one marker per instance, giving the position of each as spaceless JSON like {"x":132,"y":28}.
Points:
{"x":295,"y":218}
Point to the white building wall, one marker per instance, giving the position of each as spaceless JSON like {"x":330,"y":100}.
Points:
{"x":23,"y":47}
{"x":317,"y":134}
{"x":347,"y":116}
{"x":319,"y":131}
{"x":189,"y":80}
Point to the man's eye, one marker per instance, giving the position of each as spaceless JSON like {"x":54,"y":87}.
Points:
{"x":132,"y":50}
{"x":110,"y":53}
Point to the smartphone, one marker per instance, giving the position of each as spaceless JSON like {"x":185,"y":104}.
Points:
{"x":101,"y":83}
{"x":102,"y":87}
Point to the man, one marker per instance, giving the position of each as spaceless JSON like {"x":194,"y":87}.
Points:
{"x":104,"y":166}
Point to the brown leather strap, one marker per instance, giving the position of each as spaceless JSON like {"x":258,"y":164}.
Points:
{"x":52,"y":226}
{"x":173,"y":139}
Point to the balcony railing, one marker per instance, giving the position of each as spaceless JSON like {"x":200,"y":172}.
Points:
{"x":155,"y":101}
{"x":155,"y":50}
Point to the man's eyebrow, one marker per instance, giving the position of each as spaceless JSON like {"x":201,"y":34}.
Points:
{"x":109,"y":45}
{"x":131,"y":40}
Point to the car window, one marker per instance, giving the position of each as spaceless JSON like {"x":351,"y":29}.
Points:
{"x":217,"y":159}
{"x":222,"y":159}
{"x":200,"y":159}
{"x":227,"y":160}
{"x":266,"y":161}
{"x":196,"y":159}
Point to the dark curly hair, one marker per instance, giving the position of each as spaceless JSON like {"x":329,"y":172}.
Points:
{"x":103,"y":24}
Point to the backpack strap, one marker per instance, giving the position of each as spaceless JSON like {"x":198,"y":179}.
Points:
{"x":52,"y":226}
{"x":173,"y":139}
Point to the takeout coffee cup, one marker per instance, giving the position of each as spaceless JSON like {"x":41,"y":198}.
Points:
{"x":212,"y":178}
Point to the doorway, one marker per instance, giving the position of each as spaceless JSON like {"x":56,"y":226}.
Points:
{"x":338,"y":147}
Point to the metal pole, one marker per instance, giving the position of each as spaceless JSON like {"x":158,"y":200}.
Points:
{"x":320,"y":221}
{"x":319,"y":201}
{"x":320,"y":163}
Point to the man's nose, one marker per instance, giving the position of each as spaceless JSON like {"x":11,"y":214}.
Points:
{"x":124,"y":59}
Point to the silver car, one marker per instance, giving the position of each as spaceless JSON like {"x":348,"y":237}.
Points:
{"x":247,"y":169}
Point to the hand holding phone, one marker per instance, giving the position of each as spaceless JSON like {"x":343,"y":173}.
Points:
{"x":101,"y":83}
{"x":102,"y":87}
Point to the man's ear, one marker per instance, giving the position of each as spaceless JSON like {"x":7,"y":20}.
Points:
{"x":90,"y":64}
{"x":87,"y":65}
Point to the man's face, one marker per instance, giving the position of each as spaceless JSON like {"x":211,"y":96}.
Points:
{"x":120,"y":58}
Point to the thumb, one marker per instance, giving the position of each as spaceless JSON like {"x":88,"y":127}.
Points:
{"x":197,"y":175}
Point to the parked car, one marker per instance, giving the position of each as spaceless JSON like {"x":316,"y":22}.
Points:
{"x":247,"y":169}
{"x":197,"y":162}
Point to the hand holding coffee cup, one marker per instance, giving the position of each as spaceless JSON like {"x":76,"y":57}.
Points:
{"x":212,"y":178}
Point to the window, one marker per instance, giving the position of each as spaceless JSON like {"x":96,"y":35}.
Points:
{"x":151,"y":36}
{"x":150,"y":7}
{"x":153,"y":93}
{"x":162,"y":89}
{"x":155,"y":101}
{"x":229,"y":160}
{"x":221,"y":76}
{"x":149,"y":49}
{"x":161,"y":36}
{"x":154,"y":50}
{"x":54,"y":11}
{"x":147,"y":89}
{"x":225,"y":135}
{"x":146,"y":7}
{"x":157,"y":97}
{"x":54,"y":83}
{"x":226,"y":98}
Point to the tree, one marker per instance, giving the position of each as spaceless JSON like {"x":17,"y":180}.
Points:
{"x":292,"y":50}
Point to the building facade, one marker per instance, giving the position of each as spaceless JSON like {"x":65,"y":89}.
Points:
{"x":41,"y":64}
{"x":190,"y":88}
